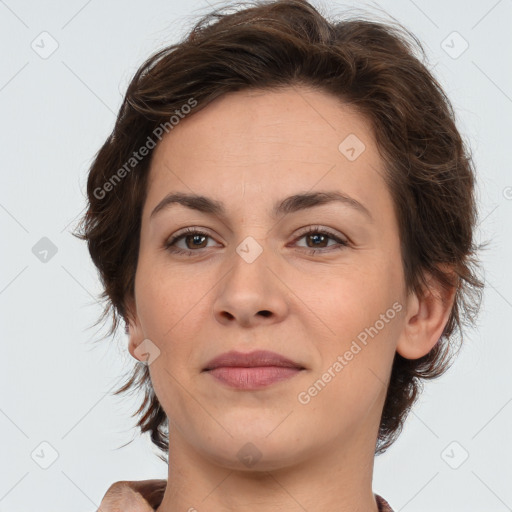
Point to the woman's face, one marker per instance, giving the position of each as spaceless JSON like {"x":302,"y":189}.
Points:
{"x":249,"y":280}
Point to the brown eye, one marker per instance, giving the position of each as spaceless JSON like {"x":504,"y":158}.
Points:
{"x":193,"y":240}
{"x":318,"y":239}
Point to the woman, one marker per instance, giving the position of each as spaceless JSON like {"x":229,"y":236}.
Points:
{"x":273,"y":219}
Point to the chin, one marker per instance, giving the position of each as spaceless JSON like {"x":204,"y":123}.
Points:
{"x":262,"y":449}
{"x":253,"y":457}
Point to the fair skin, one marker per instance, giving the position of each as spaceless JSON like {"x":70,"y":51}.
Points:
{"x":250,"y":150}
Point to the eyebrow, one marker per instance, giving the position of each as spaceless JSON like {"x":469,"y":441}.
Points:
{"x":291,"y":204}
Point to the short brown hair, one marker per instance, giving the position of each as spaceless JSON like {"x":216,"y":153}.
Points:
{"x":369,"y":65}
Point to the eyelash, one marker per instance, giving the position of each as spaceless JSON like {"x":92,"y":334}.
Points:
{"x":313,"y":229}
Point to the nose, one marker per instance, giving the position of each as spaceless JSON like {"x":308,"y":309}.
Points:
{"x":251,"y":292}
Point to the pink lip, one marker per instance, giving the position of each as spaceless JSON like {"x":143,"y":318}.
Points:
{"x":253,"y":370}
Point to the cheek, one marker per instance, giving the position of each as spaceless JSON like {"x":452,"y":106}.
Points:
{"x":361,"y":316}
{"x":169,"y":300}
{"x":170,"y":314}
{"x":355,"y":367}
{"x":348,"y":300}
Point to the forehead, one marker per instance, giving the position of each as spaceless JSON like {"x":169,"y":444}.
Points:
{"x":262,"y":144}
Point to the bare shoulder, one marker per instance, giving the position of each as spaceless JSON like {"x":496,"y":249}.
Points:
{"x":133,"y":496}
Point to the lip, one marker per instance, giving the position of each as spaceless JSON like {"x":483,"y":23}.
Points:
{"x":252,"y":370}
{"x":257,"y":358}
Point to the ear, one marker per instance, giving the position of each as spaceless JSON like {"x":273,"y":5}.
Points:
{"x":426,"y":317}
{"x":133,"y":328}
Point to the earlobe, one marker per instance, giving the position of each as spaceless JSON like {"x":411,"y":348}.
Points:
{"x":426,"y":318}
{"x":133,"y":328}
{"x":134,"y":340}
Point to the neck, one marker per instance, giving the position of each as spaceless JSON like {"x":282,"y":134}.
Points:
{"x":337,"y":478}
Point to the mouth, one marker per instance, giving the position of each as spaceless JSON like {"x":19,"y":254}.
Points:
{"x":252,"y":370}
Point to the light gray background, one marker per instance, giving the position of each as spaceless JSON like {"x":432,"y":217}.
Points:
{"x":56,"y":383}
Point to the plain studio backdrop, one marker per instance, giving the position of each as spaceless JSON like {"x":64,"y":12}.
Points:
{"x":64,"y":69}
